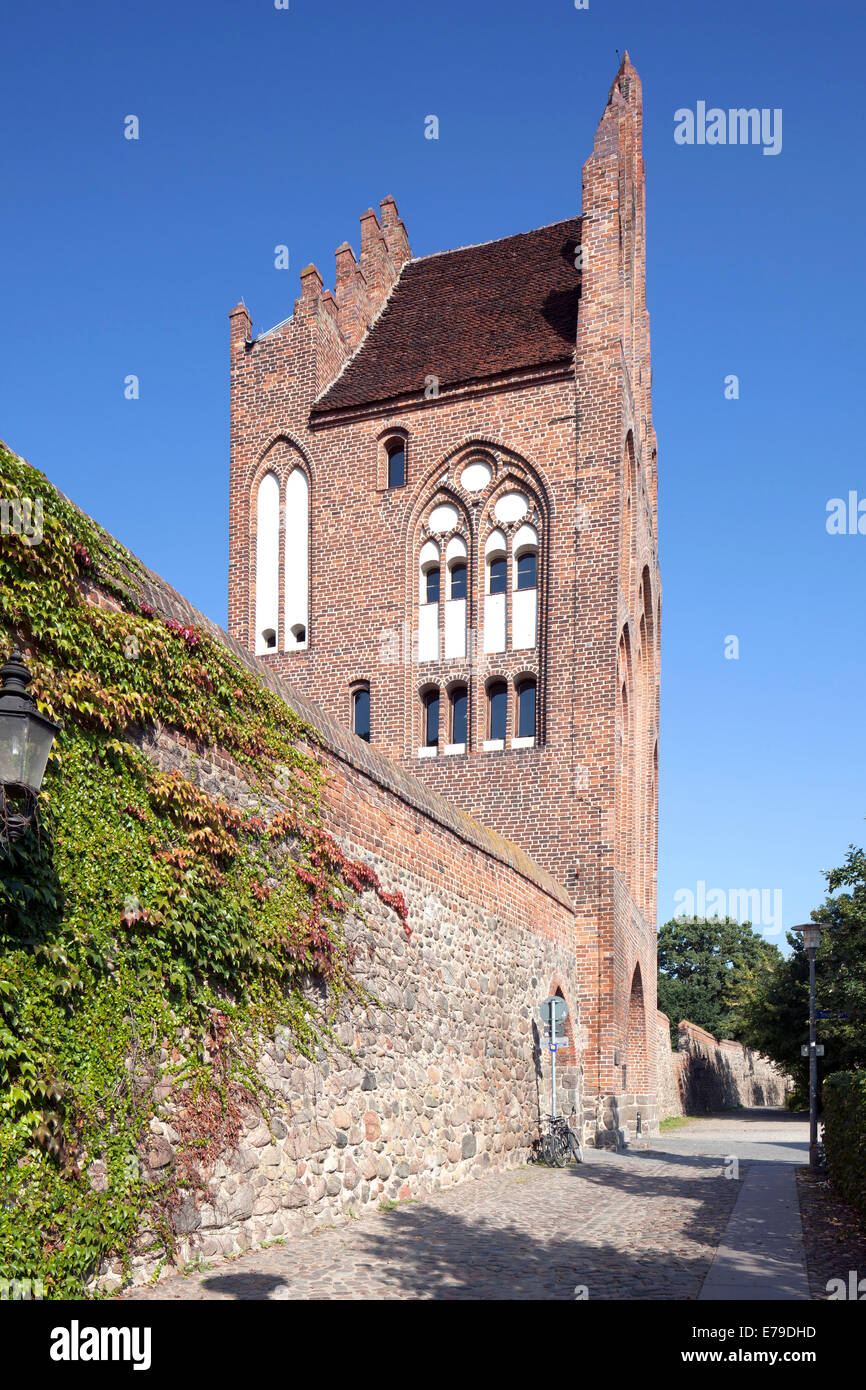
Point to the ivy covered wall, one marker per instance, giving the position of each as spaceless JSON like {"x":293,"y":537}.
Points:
{"x":252,"y":975}
{"x":141,"y":911}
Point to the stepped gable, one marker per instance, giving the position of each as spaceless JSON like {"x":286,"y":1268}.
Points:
{"x":478,"y":312}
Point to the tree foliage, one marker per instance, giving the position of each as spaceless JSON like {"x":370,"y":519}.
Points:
{"x":708,"y":967}
{"x":776,"y":1015}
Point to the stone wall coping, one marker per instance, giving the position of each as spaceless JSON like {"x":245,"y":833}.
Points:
{"x":694,"y":1030}
{"x":337,"y":739}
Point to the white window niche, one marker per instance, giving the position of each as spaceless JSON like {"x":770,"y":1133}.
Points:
{"x":455,"y":628}
{"x":296,"y":560}
{"x":453,"y":749}
{"x":494,"y":623}
{"x":267,"y":563}
{"x":523,"y":742}
{"x":523,"y":623}
{"x":428,"y":632}
{"x":428,"y":752}
{"x":493,"y":745}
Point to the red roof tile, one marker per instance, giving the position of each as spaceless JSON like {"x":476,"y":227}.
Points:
{"x":469,"y":314}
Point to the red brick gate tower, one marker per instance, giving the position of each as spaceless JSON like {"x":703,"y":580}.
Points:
{"x":443,"y":529}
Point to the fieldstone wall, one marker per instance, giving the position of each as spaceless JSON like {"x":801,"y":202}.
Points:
{"x":708,"y":1073}
{"x":442,"y":1078}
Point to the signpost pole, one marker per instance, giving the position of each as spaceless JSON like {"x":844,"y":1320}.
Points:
{"x":553,"y":1010}
{"x":813,"y":1068}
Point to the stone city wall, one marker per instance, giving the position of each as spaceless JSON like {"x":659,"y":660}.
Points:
{"x":440,"y":1074}
{"x":708,"y":1073}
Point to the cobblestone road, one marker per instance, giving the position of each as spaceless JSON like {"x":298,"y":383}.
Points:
{"x":639,"y":1225}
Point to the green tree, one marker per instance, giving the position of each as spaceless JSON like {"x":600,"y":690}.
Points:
{"x":708,"y":967}
{"x":775,"y":1015}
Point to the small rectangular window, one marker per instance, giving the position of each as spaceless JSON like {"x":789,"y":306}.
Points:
{"x":526,"y":710}
{"x":458,"y":581}
{"x":498,"y":697}
{"x":432,"y":585}
{"x":459,"y":711}
{"x":527,"y":571}
{"x":431,"y":719}
{"x":361,"y":714}
{"x":396,"y":466}
{"x":498,"y":576}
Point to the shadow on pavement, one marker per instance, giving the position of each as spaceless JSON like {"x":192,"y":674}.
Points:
{"x":420,"y":1251}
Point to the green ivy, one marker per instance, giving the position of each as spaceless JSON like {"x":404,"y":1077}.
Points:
{"x":148,"y":931}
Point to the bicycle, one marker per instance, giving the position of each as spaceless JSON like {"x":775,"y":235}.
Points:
{"x":560,"y":1145}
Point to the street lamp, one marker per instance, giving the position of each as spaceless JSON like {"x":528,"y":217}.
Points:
{"x":811,"y":939}
{"x":26,"y":737}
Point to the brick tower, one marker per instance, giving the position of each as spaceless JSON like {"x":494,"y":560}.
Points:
{"x":443,"y":529}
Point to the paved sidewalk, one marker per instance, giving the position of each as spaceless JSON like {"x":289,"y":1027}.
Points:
{"x":761,"y":1255}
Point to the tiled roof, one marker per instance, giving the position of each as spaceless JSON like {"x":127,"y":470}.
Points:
{"x":468,"y":314}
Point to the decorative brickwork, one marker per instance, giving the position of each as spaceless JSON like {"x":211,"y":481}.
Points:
{"x":529,"y":356}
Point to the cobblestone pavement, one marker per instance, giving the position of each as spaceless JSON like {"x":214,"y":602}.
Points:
{"x":637,"y":1225}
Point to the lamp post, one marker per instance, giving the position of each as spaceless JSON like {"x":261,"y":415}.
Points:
{"x":26,"y":737}
{"x":811,"y":939}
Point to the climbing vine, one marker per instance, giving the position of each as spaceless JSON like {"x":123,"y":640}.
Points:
{"x":149,"y":930}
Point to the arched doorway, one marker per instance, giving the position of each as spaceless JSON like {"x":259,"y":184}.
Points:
{"x":637,"y":1055}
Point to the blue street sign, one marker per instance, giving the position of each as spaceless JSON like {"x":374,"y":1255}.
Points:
{"x":822,"y":1013}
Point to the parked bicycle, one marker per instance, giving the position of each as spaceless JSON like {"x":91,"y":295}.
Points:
{"x":560,"y":1144}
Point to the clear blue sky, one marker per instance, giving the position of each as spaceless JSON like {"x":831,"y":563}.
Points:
{"x":261,"y":127}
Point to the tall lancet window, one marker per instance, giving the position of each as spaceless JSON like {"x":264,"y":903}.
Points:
{"x":297,"y":560}
{"x":428,"y":610}
{"x":496,"y":584}
{"x":267,"y":563}
{"x":525,"y":585}
{"x":455,"y":599}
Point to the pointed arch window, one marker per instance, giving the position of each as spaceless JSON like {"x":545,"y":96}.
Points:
{"x":459,"y":719}
{"x":361,"y":712}
{"x":495,"y":587}
{"x":296,"y":561}
{"x":496,"y":570}
{"x":267,"y":563}
{"x":396,"y":451}
{"x":428,"y":612}
{"x":524,"y":617}
{"x":497,"y":713}
{"x":430,"y":702}
{"x":629,"y":512}
{"x":526,"y":712}
{"x":456,"y":561}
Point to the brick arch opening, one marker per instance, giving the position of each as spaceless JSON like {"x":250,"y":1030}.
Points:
{"x":393,"y":436}
{"x":637,"y":1051}
{"x":567,"y":1054}
{"x":623,"y":857}
{"x":629,"y":513}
